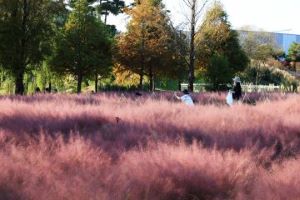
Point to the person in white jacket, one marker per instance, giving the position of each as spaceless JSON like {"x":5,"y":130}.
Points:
{"x":234,"y":94}
{"x":186,"y":98}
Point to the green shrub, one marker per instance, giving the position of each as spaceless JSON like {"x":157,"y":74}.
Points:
{"x":268,"y":75}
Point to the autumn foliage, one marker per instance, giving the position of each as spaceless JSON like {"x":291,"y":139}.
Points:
{"x":123,"y":146}
{"x":151,"y":46}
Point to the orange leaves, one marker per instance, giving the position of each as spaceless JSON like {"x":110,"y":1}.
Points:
{"x":144,"y":44}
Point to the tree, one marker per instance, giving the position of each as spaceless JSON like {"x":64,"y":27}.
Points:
{"x":25,"y":32}
{"x":215,"y":37}
{"x":260,"y":46}
{"x":177,"y":61}
{"x":110,"y":6}
{"x":294,"y":53}
{"x":218,"y":71}
{"x":84,"y":45}
{"x":146,"y":48}
{"x":105,"y":8}
{"x":196,"y":10}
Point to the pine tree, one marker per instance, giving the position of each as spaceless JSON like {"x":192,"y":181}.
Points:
{"x":110,"y":6}
{"x":84,"y":46}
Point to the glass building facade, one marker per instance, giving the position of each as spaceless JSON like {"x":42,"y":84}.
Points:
{"x":285,"y":40}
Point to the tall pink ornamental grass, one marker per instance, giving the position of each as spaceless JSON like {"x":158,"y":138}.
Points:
{"x":118,"y":146}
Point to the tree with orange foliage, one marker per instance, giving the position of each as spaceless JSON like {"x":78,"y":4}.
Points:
{"x":147,"y":48}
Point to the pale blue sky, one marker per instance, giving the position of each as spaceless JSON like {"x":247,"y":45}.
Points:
{"x":269,"y":15}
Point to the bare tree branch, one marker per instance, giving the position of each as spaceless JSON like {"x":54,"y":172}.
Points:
{"x":187,"y":3}
{"x":202,"y":8}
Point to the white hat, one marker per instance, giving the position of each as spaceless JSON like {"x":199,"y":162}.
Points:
{"x":236,"y":79}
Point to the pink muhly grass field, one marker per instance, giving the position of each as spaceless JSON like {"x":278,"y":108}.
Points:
{"x":122,"y":146}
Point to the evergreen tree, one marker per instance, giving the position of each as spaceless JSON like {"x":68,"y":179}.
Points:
{"x":84,"y":45}
{"x":216,"y":38}
{"x":110,"y":6}
{"x":294,"y":53}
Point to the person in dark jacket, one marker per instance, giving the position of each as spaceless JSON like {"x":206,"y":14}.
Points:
{"x":237,"y":89}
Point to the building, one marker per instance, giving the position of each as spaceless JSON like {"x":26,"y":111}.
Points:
{"x":284,"y":40}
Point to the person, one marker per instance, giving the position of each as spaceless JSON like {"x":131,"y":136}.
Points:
{"x":237,"y":88}
{"x":235,"y":93}
{"x":229,"y":99}
{"x":37,"y":90}
{"x":47,"y":90}
{"x":186,"y":98}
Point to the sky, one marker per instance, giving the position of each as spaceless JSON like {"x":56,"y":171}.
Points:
{"x":269,"y":15}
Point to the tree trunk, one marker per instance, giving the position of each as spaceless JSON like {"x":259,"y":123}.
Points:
{"x":20,"y":82}
{"x":105,"y":19}
{"x":192,"y":47}
{"x":142,"y":69}
{"x":79,"y":82}
{"x":295,"y":65}
{"x":50,"y":86}
{"x":96,"y":83}
{"x":152,"y":84}
{"x":179,"y":85}
{"x":142,"y":54}
{"x":19,"y":77}
{"x":141,"y":80}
